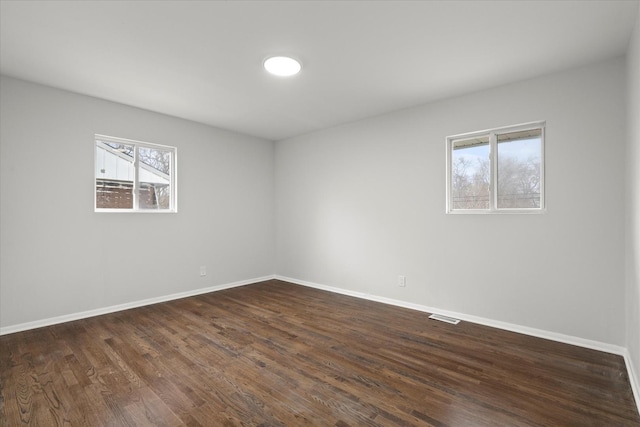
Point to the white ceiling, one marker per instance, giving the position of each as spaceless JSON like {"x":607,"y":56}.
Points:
{"x":202,"y":60}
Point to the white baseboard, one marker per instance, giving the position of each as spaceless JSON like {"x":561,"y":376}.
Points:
{"x":120,"y":307}
{"x":554,"y":336}
{"x":633,"y":377}
{"x":540,"y":333}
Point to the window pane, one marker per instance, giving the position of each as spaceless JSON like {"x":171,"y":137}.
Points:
{"x":470,"y":173}
{"x":519,"y":172}
{"x":114,"y":175}
{"x":155,"y":178}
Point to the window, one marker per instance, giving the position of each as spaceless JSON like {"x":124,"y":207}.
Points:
{"x":134,"y":176}
{"x":496,"y":171}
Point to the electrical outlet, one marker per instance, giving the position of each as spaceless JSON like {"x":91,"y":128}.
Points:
{"x":402,"y":281}
{"x":203,"y":270}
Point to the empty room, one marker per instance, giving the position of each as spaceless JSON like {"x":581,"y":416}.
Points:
{"x":319,"y":213}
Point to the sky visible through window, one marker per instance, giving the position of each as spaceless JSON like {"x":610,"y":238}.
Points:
{"x":522,"y":150}
{"x":518,"y":172}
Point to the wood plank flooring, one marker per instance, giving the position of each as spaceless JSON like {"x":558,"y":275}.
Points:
{"x":278,"y":354}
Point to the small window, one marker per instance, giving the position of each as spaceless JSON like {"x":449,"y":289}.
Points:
{"x":496,"y":171}
{"x":134,"y":176}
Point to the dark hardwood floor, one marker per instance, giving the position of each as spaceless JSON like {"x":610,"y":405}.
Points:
{"x":278,"y":354}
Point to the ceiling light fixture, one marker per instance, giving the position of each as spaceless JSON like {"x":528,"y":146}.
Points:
{"x":282,"y":66}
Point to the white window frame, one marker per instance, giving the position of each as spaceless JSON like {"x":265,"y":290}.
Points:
{"x":493,"y":158}
{"x":173,"y":175}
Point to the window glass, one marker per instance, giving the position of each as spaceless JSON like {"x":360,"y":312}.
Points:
{"x":132,"y":175}
{"x":519,"y":161}
{"x":470,"y":173}
{"x":114,"y":175}
{"x":155,"y":178}
{"x":499,"y":170}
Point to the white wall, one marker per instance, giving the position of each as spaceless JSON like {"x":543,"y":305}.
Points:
{"x":360,"y":204}
{"x":633,"y":205}
{"x":58,"y":257}
{"x":356,"y":206}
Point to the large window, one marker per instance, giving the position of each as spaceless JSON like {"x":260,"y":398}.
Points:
{"x":134,"y":176}
{"x":496,"y":171}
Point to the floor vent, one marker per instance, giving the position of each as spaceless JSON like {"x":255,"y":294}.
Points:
{"x":444,"y":319}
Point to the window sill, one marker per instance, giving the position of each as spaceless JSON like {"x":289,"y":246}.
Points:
{"x":496,"y":212}
{"x":139,"y":211}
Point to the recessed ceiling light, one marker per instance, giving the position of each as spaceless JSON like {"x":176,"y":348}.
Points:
{"x":282,"y":66}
